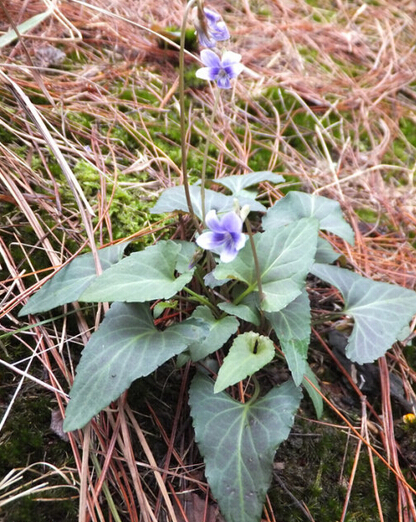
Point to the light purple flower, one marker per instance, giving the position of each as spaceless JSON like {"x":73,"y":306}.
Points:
{"x":221,"y":71}
{"x":225,"y":237}
{"x":214,"y":25}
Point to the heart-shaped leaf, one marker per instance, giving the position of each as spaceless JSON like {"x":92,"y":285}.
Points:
{"x":292,"y":326}
{"x":143,"y":276}
{"x":238,"y":442}
{"x":71,"y":281}
{"x":237,"y":184}
{"x":219,"y":331}
{"x":285,"y":257}
{"x":125,"y":347}
{"x":248,"y":353}
{"x":298,"y":205}
{"x":380,"y":311}
{"x":173,"y":199}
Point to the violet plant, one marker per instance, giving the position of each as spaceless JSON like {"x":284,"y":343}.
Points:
{"x":244,"y":268}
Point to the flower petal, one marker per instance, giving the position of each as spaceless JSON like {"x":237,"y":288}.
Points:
{"x":232,"y":223}
{"x":230,"y":58}
{"x":210,"y":240}
{"x":223,"y":81}
{"x":228,"y":254}
{"x":210,"y":59}
{"x":239,"y":240}
{"x":234,"y":70}
{"x":207,"y":73}
{"x":212,"y":221}
{"x":219,"y":31}
{"x":212,"y":16}
{"x":206,"y":41}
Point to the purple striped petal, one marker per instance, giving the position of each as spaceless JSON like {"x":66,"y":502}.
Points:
{"x":212,"y":16}
{"x":208,"y":73}
{"x":223,"y":81}
{"x":234,"y":70}
{"x":232,"y":223}
{"x":212,"y":221}
{"x":210,"y":59}
{"x":210,"y":240}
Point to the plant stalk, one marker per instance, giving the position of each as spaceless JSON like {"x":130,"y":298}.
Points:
{"x":182,"y":110}
{"x":205,"y":160}
{"x":256,"y":259}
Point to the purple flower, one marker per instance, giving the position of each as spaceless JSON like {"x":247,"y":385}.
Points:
{"x":225,"y":238}
{"x":213,"y":30}
{"x":220,"y":70}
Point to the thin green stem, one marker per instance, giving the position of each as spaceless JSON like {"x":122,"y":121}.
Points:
{"x":205,"y":160}
{"x":246,"y":292}
{"x":201,"y":299}
{"x":256,"y":259}
{"x":256,"y":392}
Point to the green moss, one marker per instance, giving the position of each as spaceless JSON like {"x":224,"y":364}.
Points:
{"x":367,"y":215}
{"x":311,"y":458}
{"x":129,"y":210}
{"x":191,"y":81}
{"x":82,"y":119}
{"x":26,"y":439}
{"x":174,"y":34}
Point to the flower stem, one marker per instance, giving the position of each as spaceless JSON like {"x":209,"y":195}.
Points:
{"x":182,"y":110}
{"x":256,"y":259}
{"x":204,"y":164}
{"x":256,"y":392}
{"x":201,"y":299}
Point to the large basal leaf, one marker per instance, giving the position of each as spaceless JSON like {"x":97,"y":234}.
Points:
{"x":237,"y":184}
{"x":380,"y":311}
{"x":298,"y":205}
{"x":248,"y":353}
{"x":143,"y":276}
{"x":292,"y":326}
{"x":238,"y":442}
{"x":285,"y":257}
{"x":219,"y":331}
{"x":71,"y":281}
{"x":173,"y":199}
{"x":125,"y":347}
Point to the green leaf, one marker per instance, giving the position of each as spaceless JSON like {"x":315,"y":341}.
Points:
{"x":292,"y":326}
{"x":297,"y":205}
{"x":248,"y":353}
{"x":173,"y":199}
{"x":313,"y":394}
{"x":185,"y":256}
{"x":240,"y":182}
{"x":238,"y":443}
{"x":285,"y":257}
{"x":71,"y":281}
{"x":220,"y":330}
{"x":24,"y":27}
{"x":125,"y":347}
{"x":143,"y":276}
{"x":380,"y":311}
{"x":243,"y":311}
{"x":325,"y":253}
{"x":161,"y":306}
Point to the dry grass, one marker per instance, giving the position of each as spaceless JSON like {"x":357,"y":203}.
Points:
{"x":344,"y":80}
